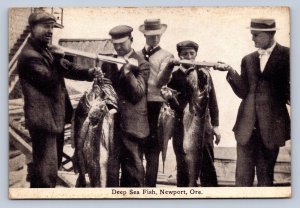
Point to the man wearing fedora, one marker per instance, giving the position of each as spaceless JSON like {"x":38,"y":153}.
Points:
{"x":263,"y":123}
{"x":157,"y":57}
{"x":131,"y":123}
{"x":47,"y":105}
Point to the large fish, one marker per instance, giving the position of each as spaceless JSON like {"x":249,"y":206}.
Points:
{"x":165,"y":131}
{"x":93,"y":127}
{"x":194,"y":122}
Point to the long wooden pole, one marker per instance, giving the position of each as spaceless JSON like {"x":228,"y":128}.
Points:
{"x":122,"y":60}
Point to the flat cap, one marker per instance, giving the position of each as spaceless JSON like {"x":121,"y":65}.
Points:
{"x":41,"y":17}
{"x":186,"y":44}
{"x":120,"y":33}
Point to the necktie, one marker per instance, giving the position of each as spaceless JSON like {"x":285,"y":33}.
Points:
{"x":149,"y":50}
{"x":263,"y":52}
{"x":147,"y":53}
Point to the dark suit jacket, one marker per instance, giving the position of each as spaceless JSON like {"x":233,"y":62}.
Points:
{"x":132,"y":93}
{"x":46,"y":102}
{"x":264,"y":97}
{"x":178,"y":82}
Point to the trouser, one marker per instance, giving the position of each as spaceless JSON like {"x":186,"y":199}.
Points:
{"x":255,"y":157}
{"x":208,"y":176}
{"x":131,"y":158}
{"x":47,"y":150}
{"x":151,"y":145}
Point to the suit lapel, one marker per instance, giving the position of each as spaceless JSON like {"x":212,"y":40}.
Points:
{"x":47,"y":56}
{"x":273,"y":60}
{"x":44,"y":51}
{"x":256,"y":64}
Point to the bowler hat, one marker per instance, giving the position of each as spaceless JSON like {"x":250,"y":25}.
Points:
{"x":41,"y":17}
{"x":120,"y":33}
{"x":186,"y":45}
{"x":263,"y":25}
{"x":153,"y":27}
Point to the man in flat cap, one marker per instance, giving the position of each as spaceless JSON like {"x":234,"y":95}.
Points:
{"x":263,"y":123}
{"x":47,"y":106}
{"x":176,"y":76}
{"x":131,"y":123}
{"x":158,"y":58}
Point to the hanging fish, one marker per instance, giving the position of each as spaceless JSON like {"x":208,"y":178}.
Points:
{"x":194,"y":122}
{"x":166,"y":121}
{"x":93,"y":123}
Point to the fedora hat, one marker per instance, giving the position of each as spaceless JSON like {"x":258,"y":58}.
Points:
{"x":263,"y":25}
{"x":153,"y":27}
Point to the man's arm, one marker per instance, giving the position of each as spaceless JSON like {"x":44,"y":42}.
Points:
{"x":32,"y":67}
{"x":164,"y":76}
{"x":137,"y":80}
{"x":214,"y":112}
{"x":70,"y":70}
{"x":74,"y":71}
{"x":238,"y":83}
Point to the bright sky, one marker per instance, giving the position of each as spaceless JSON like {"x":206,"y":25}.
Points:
{"x":221,"y":33}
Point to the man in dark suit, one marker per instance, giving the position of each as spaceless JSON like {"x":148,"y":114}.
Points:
{"x":263,"y":123}
{"x":131,"y":123}
{"x":176,"y":77}
{"x":47,"y":106}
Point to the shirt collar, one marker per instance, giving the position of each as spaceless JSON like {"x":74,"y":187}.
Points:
{"x":268,"y":50}
{"x":126,"y":56}
{"x":147,"y":46}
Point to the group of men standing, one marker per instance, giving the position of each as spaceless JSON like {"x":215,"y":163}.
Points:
{"x":262,"y":124}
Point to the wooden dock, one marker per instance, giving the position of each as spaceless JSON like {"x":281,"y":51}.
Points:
{"x":20,"y":156}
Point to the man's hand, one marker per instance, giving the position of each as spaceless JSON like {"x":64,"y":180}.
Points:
{"x":130,"y":65}
{"x":221,"y":66}
{"x":166,"y":93}
{"x":96,"y":72}
{"x":217,"y":134}
{"x":174,"y":62}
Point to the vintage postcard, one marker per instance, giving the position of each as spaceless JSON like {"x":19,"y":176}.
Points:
{"x":149,"y":102}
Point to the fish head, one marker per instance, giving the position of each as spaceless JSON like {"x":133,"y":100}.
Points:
{"x":97,"y":111}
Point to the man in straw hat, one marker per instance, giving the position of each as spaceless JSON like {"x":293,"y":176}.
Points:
{"x":47,"y":105}
{"x":157,"y":57}
{"x":131,"y":123}
{"x":263,"y":123}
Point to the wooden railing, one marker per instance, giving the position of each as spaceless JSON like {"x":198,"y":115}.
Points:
{"x":13,"y":65}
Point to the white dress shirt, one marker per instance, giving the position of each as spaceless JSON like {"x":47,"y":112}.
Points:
{"x":264,"y":55}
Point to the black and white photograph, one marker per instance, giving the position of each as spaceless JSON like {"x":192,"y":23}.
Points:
{"x":149,"y":102}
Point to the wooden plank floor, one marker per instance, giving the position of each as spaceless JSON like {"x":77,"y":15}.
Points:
{"x":224,"y":162}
